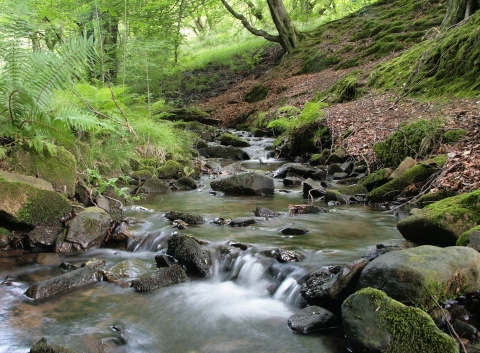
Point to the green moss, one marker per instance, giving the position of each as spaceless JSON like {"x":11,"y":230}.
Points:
{"x":413,"y":140}
{"x":411,"y":329}
{"x":319,"y":61}
{"x":257,"y":94}
{"x":447,"y":65}
{"x":317,"y":159}
{"x":37,"y":207}
{"x":430,"y":198}
{"x":394,"y":187}
{"x":227,"y":139}
{"x":460,"y":212}
{"x":374,"y":180}
{"x":353,"y":190}
{"x":169,"y":169}
{"x":454,"y":135}
{"x":57,"y":167}
{"x":142,"y":174}
{"x":346,"y":89}
{"x":463,"y":240}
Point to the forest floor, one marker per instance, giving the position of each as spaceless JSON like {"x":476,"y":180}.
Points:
{"x":372,"y":117}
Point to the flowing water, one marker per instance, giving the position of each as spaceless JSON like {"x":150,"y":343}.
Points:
{"x":243,"y":307}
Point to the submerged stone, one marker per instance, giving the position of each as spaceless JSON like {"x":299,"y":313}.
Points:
{"x":160,"y":278}
{"x":312,"y":319}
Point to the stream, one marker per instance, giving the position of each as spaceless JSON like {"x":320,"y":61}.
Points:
{"x":243,"y":307}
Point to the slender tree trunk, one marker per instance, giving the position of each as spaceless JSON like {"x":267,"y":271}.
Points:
{"x":289,"y":35}
{"x":459,"y":10}
{"x":110,"y":46}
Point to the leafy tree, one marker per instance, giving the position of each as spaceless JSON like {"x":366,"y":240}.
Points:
{"x":288,"y":37}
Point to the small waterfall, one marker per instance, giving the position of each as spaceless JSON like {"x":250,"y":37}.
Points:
{"x":151,"y":241}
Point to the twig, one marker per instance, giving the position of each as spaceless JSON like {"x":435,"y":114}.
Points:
{"x":130,"y":128}
{"x":450,"y":326}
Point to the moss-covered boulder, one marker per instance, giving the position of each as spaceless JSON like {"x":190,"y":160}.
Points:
{"x":415,"y":275}
{"x":338,"y":156}
{"x":88,"y":229}
{"x":377,"y":179}
{"x":317,"y":159}
{"x":31,"y":201}
{"x":470,"y":238}
{"x":160,"y":278}
{"x":245,"y":184}
{"x":227,"y":139}
{"x":59,"y":167}
{"x":144,"y":173}
{"x":374,"y":322}
{"x":155,"y":186}
{"x":185,"y":183}
{"x":387,"y":192}
{"x":170,"y":169}
{"x":429,"y":198}
{"x":205,"y":132}
{"x":442,"y":222}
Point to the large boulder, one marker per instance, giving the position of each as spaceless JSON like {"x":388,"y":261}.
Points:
{"x":160,"y":278}
{"x":312,"y":189}
{"x":226,"y":152}
{"x":245,"y":184}
{"x":442,"y":222}
{"x":58,"y":166}
{"x":43,"y":238}
{"x":86,"y":230}
{"x":154,"y":186}
{"x":31,"y":201}
{"x":189,"y":253}
{"x":375,"y":323}
{"x":312,"y":319}
{"x":227,"y":139}
{"x":88,"y":274}
{"x":416,"y":275}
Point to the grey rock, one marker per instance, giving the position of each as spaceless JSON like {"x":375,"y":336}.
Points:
{"x":241,"y":222}
{"x":312,"y":319}
{"x":245,"y":184}
{"x":186,"y":217}
{"x":160,"y":278}
{"x":264,"y":212}
{"x":189,"y":253}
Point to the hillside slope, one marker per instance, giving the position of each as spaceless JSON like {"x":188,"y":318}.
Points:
{"x":378,"y":68}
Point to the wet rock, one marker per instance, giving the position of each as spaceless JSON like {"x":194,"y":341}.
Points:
{"x":347,"y":167}
{"x":406,"y":164}
{"x":233,"y":169}
{"x":374,"y":322}
{"x":124,"y":271}
{"x":339,"y":175}
{"x":292,"y":181}
{"x":164,"y":260}
{"x":264,"y":212}
{"x":282,"y":255}
{"x":336,"y":197}
{"x":185,"y":183}
{"x":154,"y":186}
{"x":43,"y":237}
{"x":338,"y":156}
{"x":465,"y":330}
{"x":186,"y":217}
{"x":312,"y":188}
{"x":293,"y":231}
{"x":227,"y":139}
{"x":70,"y":280}
{"x":311,"y":319}
{"x":103,"y":203}
{"x":377,"y":179}
{"x":68,"y":266}
{"x":404,"y":274}
{"x":121,"y":232}
{"x":190,"y":253}
{"x":88,"y":229}
{"x":160,"y":278}
{"x":241,"y":246}
{"x":241,"y":222}
{"x":294,"y":168}
{"x":226,"y":152}
{"x":213,"y":167}
{"x":245,"y":184}
{"x":69,"y":344}
{"x":334,"y":168}
{"x":336,"y":288}
{"x":220,"y":221}
{"x":31,"y":201}
{"x":5,"y":237}
{"x":305,"y":209}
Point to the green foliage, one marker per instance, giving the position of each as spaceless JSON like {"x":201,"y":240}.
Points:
{"x":289,"y":117}
{"x":318,"y":61}
{"x":30,"y":81}
{"x":257,"y":94}
{"x":98,"y":185}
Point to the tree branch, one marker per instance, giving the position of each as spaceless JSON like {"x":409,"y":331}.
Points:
{"x":249,"y":27}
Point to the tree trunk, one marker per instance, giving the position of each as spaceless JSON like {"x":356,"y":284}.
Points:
{"x":110,"y":46}
{"x":459,"y":10}
{"x":289,"y":35}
